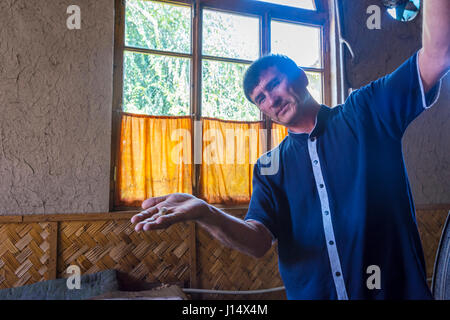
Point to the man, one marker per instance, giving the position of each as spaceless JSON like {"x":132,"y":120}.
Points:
{"x":339,"y":204}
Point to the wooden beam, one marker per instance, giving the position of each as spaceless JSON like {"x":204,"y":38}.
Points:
{"x":193,"y":255}
{"x":52,"y":263}
{"x":79,"y":217}
{"x":11,"y":219}
{"x":439,"y":206}
{"x":125,"y":215}
{"x":119,"y":36}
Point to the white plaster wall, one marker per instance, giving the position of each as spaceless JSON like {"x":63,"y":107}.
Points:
{"x":55,"y":106}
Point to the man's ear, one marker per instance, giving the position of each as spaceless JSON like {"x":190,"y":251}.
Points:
{"x":303,"y":79}
{"x":300,"y":82}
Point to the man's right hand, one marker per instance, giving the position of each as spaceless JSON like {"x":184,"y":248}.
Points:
{"x":179,"y":207}
{"x":249,"y":237}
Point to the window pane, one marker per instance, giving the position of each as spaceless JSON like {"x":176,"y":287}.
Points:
{"x":303,"y":4}
{"x":222,"y":94}
{"x":230,"y":35}
{"x":315,"y":85}
{"x":156,"y":85}
{"x":298,"y":42}
{"x":154,"y":25}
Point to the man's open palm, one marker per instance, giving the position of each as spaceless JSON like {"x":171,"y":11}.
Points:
{"x":178,"y":207}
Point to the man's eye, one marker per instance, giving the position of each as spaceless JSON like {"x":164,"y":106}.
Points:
{"x":274,"y":84}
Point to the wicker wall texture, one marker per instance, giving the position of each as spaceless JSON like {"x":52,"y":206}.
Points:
{"x":166,"y":256}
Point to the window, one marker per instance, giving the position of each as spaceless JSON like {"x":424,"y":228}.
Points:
{"x":227,"y":51}
{"x":156,"y":58}
{"x":290,"y":39}
{"x":179,"y":67}
{"x":303,"y":4}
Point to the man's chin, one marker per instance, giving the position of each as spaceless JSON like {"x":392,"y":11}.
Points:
{"x":287,"y":121}
{"x":281,"y":122}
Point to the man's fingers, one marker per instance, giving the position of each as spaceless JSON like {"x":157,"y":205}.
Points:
{"x":140,"y":226}
{"x":168,"y":219}
{"x":149,"y":216}
{"x":151,"y":202}
{"x":159,"y":222}
{"x":144,"y":215}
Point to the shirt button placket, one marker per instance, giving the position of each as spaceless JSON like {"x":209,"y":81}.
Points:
{"x":327,"y":222}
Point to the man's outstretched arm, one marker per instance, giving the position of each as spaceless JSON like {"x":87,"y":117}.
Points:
{"x":249,"y":237}
{"x":434,"y":57}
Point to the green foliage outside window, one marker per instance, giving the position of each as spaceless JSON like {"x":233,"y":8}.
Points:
{"x":154,"y":84}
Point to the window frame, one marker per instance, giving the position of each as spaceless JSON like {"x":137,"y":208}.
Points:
{"x":264,"y":10}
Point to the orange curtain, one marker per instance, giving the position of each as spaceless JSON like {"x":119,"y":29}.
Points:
{"x":154,"y":159}
{"x":278,"y":133}
{"x":230,"y":149}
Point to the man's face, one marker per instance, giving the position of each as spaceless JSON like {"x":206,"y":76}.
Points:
{"x":276,"y":98}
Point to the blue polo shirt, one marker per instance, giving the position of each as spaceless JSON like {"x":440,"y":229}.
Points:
{"x":338,"y":200}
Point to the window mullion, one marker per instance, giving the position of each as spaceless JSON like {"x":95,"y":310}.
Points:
{"x":223,"y":59}
{"x":265,"y":50}
{"x":119,"y":38}
{"x":196,"y":94}
{"x":157,"y":52}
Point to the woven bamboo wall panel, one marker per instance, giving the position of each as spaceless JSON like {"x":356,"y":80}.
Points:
{"x":430,"y":224}
{"x":158,"y":256}
{"x":221,"y":268}
{"x":24,"y":254}
{"x":32,"y":250}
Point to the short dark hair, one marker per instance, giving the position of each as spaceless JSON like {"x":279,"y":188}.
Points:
{"x":284,"y":64}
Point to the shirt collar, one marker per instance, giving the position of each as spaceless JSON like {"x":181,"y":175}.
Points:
{"x":319,"y":127}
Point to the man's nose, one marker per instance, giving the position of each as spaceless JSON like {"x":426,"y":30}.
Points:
{"x":274,"y":101}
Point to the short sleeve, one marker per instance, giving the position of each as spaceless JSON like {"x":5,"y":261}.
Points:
{"x":392,"y":102}
{"x":262,"y":207}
